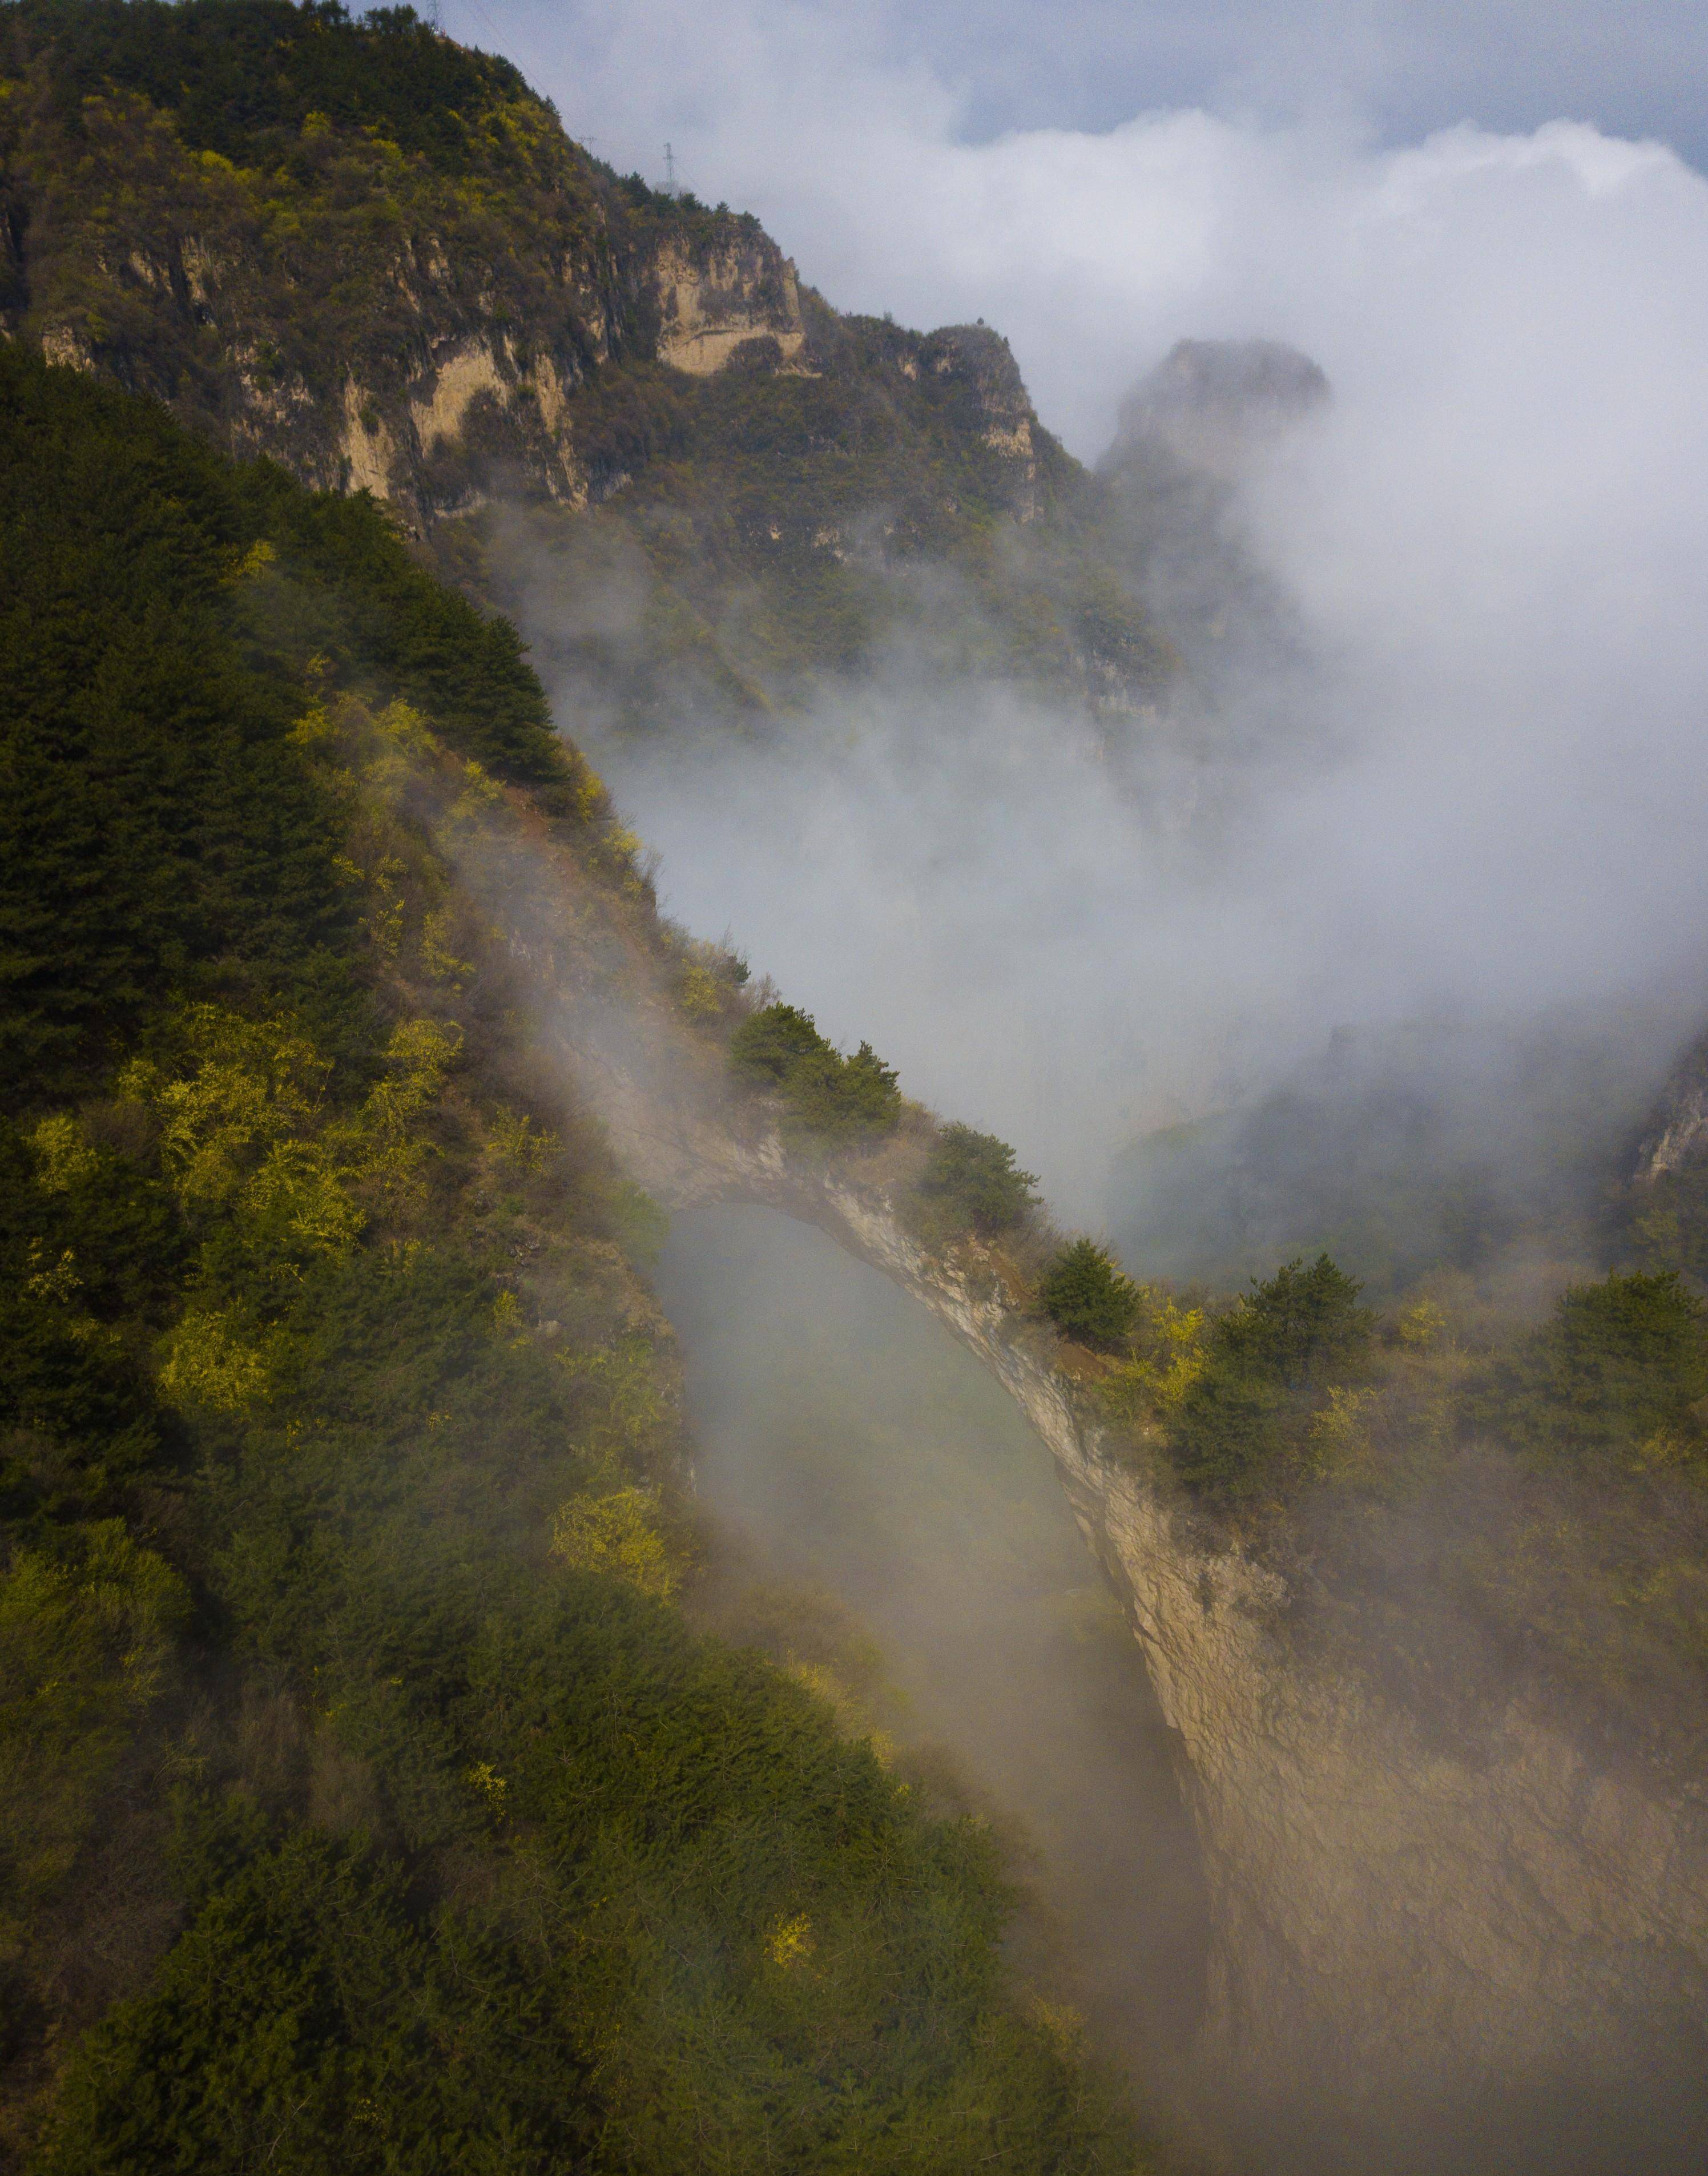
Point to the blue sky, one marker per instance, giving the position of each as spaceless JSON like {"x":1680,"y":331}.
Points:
{"x":1400,"y":68}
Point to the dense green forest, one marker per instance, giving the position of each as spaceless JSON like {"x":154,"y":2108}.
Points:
{"x":369,"y":1802}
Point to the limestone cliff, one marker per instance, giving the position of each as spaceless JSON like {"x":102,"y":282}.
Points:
{"x":377,"y":258}
{"x":1666,"y":1195}
{"x":408,"y":325}
{"x":1677,"y":1130}
{"x":413,"y":321}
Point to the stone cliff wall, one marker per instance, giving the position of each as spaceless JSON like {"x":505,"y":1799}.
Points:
{"x":713,"y":301}
{"x":1382,"y":1909}
{"x":1677,"y":1132}
{"x":368,"y":323}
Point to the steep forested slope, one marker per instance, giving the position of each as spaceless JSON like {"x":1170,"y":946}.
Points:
{"x":369,"y":1801}
{"x":365,"y":1800}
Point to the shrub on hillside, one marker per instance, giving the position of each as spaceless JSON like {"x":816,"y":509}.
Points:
{"x":842,"y":1101}
{"x":1298,"y":1328}
{"x":1621,"y":1371}
{"x":1087,"y":1296}
{"x":972,"y":1184}
{"x":1270,"y":1365}
{"x":770,"y":1043}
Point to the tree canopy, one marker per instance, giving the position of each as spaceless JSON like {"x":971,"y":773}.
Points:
{"x":1086,"y":1295}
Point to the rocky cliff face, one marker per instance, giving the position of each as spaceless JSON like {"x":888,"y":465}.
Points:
{"x":1400,"y":1927}
{"x":1395,"y":1927}
{"x":1678,"y":1131}
{"x":371,"y":320}
{"x":713,"y":301}
{"x":377,"y":258}
{"x":417,"y":323}
{"x":1667,"y":1198}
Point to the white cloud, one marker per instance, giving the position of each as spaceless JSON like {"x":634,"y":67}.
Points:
{"x":1499,"y":539}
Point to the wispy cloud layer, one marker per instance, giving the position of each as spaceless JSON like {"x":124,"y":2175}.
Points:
{"x":1497,"y":541}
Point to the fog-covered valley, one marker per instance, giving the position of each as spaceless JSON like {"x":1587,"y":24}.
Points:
{"x":861,"y":1454}
{"x":1436,"y":764}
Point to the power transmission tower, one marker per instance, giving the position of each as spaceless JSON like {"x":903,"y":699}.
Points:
{"x":669,"y":172}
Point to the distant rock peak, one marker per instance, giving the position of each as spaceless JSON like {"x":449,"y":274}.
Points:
{"x":1213,"y":404}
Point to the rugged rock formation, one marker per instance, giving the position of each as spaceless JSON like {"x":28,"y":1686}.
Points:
{"x":1191,"y":435}
{"x":376,"y":258}
{"x":1677,"y":1130}
{"x":1433,"y":1925}
{"x":368,"y":320}
{"x":1214,"y":404}
{"x":414,"y":323}
{"x":1667,"y":1200}
{"x":714,"y":301}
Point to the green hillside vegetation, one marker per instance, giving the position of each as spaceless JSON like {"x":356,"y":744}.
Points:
{"x":1667,"y":1221}
{"x":1459,"y":1506}
{"x":833,"y":1101}
{"x":782,"y":525}
{"x":1087,"y":1296}
{"x":1620,"y":1374}
{"x":155,"y":614}
{"x":1268,"y":1366}
{"x":367,"y":1800}
{"x":971,"y":1182}
{"x":296,"y":155}
{"x":243,"y":80}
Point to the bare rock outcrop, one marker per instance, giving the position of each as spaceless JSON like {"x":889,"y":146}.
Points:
{"x":1677,"y":1130}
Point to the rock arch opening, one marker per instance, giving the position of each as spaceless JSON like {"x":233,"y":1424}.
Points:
{"x":860,"y":1452}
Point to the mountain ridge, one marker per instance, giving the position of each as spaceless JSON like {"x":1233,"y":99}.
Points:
{"x":449,"y":312}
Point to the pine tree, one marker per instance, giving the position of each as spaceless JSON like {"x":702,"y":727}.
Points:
{"x":1087,"y":1296}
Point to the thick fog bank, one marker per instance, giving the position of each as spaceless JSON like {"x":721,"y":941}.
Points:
{"x":1488,"y":814}
{"x":1482,"y":801}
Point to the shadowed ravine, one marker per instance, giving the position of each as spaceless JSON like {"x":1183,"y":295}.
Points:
{"x":858,"y":1450}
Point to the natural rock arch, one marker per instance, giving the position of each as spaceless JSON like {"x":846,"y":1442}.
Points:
{"x":1381,"y":1909}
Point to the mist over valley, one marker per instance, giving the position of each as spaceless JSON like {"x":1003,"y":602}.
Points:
{"x":852,"y":1092}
